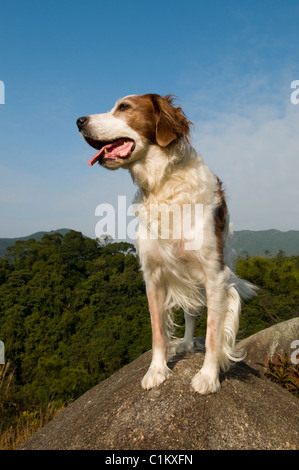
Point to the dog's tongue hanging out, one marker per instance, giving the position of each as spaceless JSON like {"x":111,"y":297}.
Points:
{"x":118,"y":149}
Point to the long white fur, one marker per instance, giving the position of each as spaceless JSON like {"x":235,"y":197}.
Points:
{"x":176,"y":277}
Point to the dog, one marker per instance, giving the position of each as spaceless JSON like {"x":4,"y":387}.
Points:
{"x":150,"y":136}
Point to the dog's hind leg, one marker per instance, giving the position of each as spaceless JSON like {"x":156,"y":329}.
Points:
{"x":224,"y":306}
{"x":158,"y":371}
{"x":207,"y":379}
{"x":188,"y":343}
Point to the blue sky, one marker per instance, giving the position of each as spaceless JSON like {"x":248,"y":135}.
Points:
{"x":230,"y":63}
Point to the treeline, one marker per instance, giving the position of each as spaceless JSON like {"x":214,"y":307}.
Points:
{"x":74,"y":310}
{"x":278,"y":298}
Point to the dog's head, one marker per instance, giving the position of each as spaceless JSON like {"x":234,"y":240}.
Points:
{"x":123,"y":135}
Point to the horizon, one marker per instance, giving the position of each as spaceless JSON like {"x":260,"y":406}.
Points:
{"x":234,"y":68}
{"x":250,"y":243}
{"x":116,"y":240}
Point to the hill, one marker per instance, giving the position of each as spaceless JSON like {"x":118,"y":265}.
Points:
{"x":255,"y":243}
{"x":6,"y":242}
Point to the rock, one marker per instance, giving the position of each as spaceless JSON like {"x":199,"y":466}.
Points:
{"x":276,"y":339}
{"x":249,"y":412}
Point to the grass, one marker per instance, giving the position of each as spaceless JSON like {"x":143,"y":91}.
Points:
{"x":26,"y":424}
{"x":17,"y":427}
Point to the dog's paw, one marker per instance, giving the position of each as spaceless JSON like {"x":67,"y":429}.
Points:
{"x":154,"y":377}
{"x":184,"y":346}
{"x":205,"y":383}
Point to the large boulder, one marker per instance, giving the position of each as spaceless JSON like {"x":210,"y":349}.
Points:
{"x":249,"y":412}
{"x":266,"y":343}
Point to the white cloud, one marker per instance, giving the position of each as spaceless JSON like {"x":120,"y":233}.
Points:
{"x":255,"y":152}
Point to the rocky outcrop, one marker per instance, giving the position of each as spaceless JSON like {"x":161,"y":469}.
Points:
{"x":276,"y":339}
{"x":249,"y":412}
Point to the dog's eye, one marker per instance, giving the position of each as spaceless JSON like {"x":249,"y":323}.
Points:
{"x":123,"y":107}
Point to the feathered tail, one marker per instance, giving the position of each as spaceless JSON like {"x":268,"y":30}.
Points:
{"x":231,"y":350}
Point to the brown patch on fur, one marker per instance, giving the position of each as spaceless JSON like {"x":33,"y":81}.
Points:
{"x":220,"y":219}
{"x":155,"y":118}
{"x":139,"y":115}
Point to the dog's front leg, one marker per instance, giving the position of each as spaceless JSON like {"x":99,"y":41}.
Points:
{"x":207,"y":379}
{"x":158,"y":371}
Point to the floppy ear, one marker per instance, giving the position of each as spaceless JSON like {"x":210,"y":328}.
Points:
{"x":164,"y":126}
{"x":171,"y":122}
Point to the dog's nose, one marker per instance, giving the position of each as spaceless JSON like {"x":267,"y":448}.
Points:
{"x":81,"y":121}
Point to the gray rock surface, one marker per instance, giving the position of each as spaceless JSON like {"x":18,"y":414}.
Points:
{"x":276,"y":339}
{"x":249,"y":412}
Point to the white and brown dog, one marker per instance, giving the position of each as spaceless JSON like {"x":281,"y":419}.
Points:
{"x":150,"y":137}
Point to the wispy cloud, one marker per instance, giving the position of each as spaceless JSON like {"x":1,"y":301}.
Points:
{"x":255,"y":151}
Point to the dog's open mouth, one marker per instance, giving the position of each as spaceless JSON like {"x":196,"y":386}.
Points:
{"x":112,"y":150}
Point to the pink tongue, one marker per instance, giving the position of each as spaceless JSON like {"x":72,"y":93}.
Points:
{"x":115,"y":149}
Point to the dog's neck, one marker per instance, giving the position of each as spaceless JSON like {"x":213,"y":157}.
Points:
{"x":151,"y":171}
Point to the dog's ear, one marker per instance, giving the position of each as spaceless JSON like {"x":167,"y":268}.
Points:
{"x":171,"y":121}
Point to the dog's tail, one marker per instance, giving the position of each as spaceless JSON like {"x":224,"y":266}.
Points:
{"x":237,"y":289}
{"x":232,"y":352}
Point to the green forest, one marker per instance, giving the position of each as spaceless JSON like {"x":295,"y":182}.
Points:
{"x":74,"y":310}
